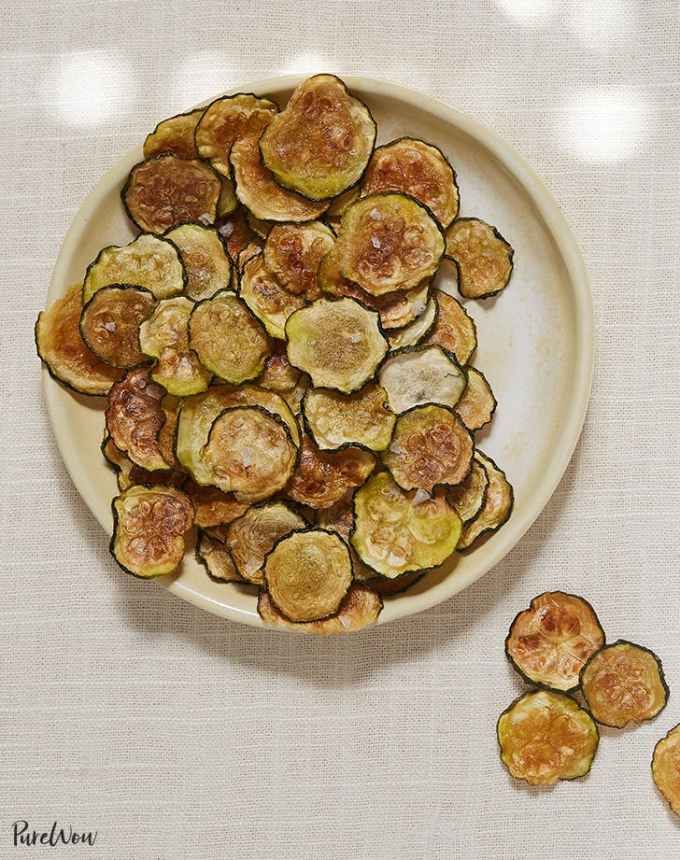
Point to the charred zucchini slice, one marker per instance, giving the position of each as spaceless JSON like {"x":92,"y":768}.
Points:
{"x":482,"y":256}
{"x":109,"y":324}
{"x":174,"y":136}
{"x":388,"y":242}
{"x":293,"y":252}
{"x":549,"y":643}
{"x":149,"y":525}
{"x":467,"y":499}
{"x":227,"y":201}
{"x":205,"y":260}
{"x":223,"y":122}
{"x":497,"y":504}
{"x":251,"y":537}
{"x":167,"y":191}
{"x":415,"y":332}
{"x":307,"y":574}
{"x":249,"y":452}
{"x":360,"y":608}
{"x":454,"y":329}
{"x":430,"y":447}
{"x":64,"y":352}
{"x":545,"y":736}
{"x":336,"y":420}
{"x":215,"y":557}
{"x":478,"y":404}
{"x":396,"y":532}
{"x":421,"y":375}
{"x":165,"y":337}
{"x":624,"y":683}
{"x":271,"y":303}
{"x":666,"y":768}
{"x":134,"y":417}
{"x":151,"y":262}
{"x":322,"y":478}
{"x":320,"y":144}
{"x":227,"y":338}
{"x":236,"y":233}
{"x":213,"y":507}
{"x":279,"y":374}
{"x":417,"y":168}
{"x":338,"y":343}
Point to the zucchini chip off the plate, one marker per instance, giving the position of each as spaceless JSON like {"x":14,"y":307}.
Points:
{"x":419,"y":375}
{"x":135,"y":416}
{"x":666,"y":768}
{"x":497,"y":506}
{"x":293,"y":252}
{"x":454,"y":329}
{"x":110,"y":321}
{"x":174,"y":136}
{"x":468,"y":497}
{"x":545,"y":736}
{"x":322,"y":478}
{"x":336,"y":420}
{"x":478,"y":404}
{"x":205,"y":260}
{"x":360,"y":608}
{"x":482,"y":256}
{"x":250,"y":538}
{"x":549,"y":643}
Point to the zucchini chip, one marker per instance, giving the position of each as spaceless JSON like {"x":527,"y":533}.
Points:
{"x":213,"y":507}
{"x":174,"y":136}
{"x":396,"y":532}
{"x":166,"y":435}
{"x":149,"y":261}
{"x":261,"y":228}
{"x":338,"y":343}
{"x":478,"y":404}
{"x":63,"y":351}
{"x":307,"y":574}
{"x":227,"y":338}
{"x":388,"y":242}
{"x":338,"y":206}
{"x":249,"y":452}
{"x":251,"y":537}
{"x":236,"y":233}
{"x":251,"y":250}
{"x":134,"y":417}
{"x":165,"y":337}
{"x":666,"y":767}
{"x":482,"y":256}
{"x":430,"y":447}
{"x":205,"y":260}
{"x":215,"y":557}
{"x":417,"y":168}
{"x":322,"y":478}
{"x":389,"y":587}
{"x":227,"y":201}
{"x":166,"y":191}
{"x":128,"y":474}
{"x":109,"y":324}
{"x":454,"y":329}
{"x":624,"y":683}
{"x":419,"y":375}
{"x":255,"y":185}
{"x":336,"y":420}
{"x":293,"y":252}
{"x":415,"y":332}
{"x":545,"y":736}
{"x":223,"y":122}
{"x":549,"y":643}
{"x":467,"y":499}
{"x":339,"y":518}
{"x":149,"y":526}
{"x":360,"y":608}
{"x":295,"y":396}
{"x":320,"y":144}
{"x":497,"y":504}
{"x":279,"y":374}
{"x":271,"y":303}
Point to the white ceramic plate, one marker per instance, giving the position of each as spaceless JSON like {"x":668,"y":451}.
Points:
{"x":535,"y":340}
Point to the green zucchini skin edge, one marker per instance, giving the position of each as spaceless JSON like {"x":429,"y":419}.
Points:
{"x":465,"y":369}
{"x":167,"y":119}
{"x":490,"y":531}
{"x":662,"y":677}
{"x":651,"y":766}
{"x":539,"y":684}
{"x":511,"y":254}
{"x":118,"y":287}
{"x":464,"y":309}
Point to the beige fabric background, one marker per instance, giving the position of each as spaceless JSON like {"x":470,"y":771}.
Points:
{"x":178,"y":735}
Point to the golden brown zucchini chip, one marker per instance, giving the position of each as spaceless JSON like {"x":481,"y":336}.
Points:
{"x":422,"y":374}
{"x":260,"y":227}
{"x":320,"y":144}
{"x":478,"y":404}
{"x":293,"y":252}
{"x":338,"y":206}
{"x":128,"y":474}
{"x":166,"y":191}
{"x":109,"y":323}
{"x":271,"y":303}
{"x":482,"y":256}
{"x":360,"y":608}
{"x":63,"y":351}
{"x":467,"y":499}
{"x":151,"y":262}
{"x":249,"y":452}
{"x":251,"y":250}
{"x":336,"y":420}
{"x":165,"y":337}
{"x":213,"y":507}
{"x":228,"y":339}
{"x":205,"y":260}
{"x":149,"y":527}
{"x":279,"y":374}
{"x":216,"y":559}
{"x":497,"y":506}
{"x":454,"y":329}
{"x":624,"y":683}
{"x":388,"y":242}
{"x":431,"y":447}
{"x":416,"y":331}
{"x":251,"y":537}
{"x":396,"y":531}
{"x":236,"y":233}
{"x":166,"y":435}
{"x":134,"y":417}
{"x":549,"y":642}
{"x":174,"y":136}
{"x":295,"y":396}
{"x":339,"y":518}
{"x":545,"y":736}
{"x":322,"y":478}
{"x":307,"y":574}
{"x":417,"y":168}
{"x":338,"y":343}
{"x":666,"y":767}
{"x":228,"y":201}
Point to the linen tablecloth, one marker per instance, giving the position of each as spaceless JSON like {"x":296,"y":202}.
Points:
{"x":175,"y":734}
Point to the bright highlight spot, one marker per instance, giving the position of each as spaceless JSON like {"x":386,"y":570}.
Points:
{"x":307,"y":63}
{"x":530,"y":13}
{"x":201,"y":77}
{"x":600,"y":26}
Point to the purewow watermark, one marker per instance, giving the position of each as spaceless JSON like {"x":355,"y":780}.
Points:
{"x":22,"y":834}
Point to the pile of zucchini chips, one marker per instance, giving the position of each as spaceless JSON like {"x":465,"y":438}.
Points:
{"x":280,"y":371}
